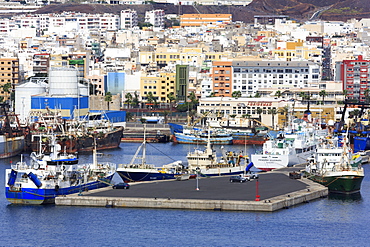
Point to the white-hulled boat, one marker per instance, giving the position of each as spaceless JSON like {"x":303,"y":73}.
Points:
{"x":48,"y":176}
{"x":206,"y":163}
{"x":287,"y":149}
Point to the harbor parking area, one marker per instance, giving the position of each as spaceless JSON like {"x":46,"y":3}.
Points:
{"x":270,"y":192}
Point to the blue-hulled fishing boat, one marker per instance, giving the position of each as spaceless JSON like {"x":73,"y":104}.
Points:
{"x":52,"y":175}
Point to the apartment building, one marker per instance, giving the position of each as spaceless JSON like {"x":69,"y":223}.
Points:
{"x":150,"y":83}
{"x":167,"y":85}
{"x":222,"y":78}
{"x":156,"y":18}
{"x":355,"y":77}
{"x":9,"y":71}
{"x":129,"y":19}
{"x":249,"y":76}
{"x":41,"y":64}
{"x":198,"y":20}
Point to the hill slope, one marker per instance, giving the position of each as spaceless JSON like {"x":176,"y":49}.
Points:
{"x":334,"y":10}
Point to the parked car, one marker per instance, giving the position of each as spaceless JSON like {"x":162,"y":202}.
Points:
{"x":239,"y":179}
{"x":252,"y":175}
{"x":121,"y":186}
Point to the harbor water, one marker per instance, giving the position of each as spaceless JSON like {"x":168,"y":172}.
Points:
{"x":332,"y":221}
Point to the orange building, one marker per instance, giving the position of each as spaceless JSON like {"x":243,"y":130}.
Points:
{"x":9,"y":74}
{"x":198,"y":20}
{"x":222,"y":78}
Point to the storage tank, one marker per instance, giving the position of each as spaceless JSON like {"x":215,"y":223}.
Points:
{"x":23,"y":95}
{"x":63,"y":81}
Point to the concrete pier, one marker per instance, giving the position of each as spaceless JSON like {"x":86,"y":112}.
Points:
{"x":271,"y":192}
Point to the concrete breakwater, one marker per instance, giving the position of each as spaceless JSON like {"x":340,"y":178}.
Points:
{"x":271,"y":192}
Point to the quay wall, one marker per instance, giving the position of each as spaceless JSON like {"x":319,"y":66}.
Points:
{"x":270,"y":205}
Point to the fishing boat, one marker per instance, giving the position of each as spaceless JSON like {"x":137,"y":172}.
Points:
{"x":286,"y":148}
{"x":141,"y":171}
{"x":206,"y":163}
{"x":12,"y":139}
{"x":194,"y":136}
{"x":76,"y":135}
{"x":335,"y":166}
{"x":56,"y":174}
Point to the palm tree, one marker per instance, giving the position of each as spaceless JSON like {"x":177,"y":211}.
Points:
{"x":129,"y":116}
{"x":302,"y":95}
{"x":108,"y":98}
{"x":367,"y":95}
{"x":323,"y":94}
{"x":128,"y":100}
{"x":236,"y":94}
{"x":273,"y":112}
{"x":285,"y":112}
{"x":247,"y":116}
{"x":212,"y":94}
{"x":193,"y":100}
{"x":259,"y":112}
{"x":135,"y":100}
{"x":345,"y":93}
{"x":7,"y":87}
{"x":171,"y":98}
{"x":355,"y":113}
{"x":257,"y":95}
{"x":150,"y":98}
{"x":278,"y":94}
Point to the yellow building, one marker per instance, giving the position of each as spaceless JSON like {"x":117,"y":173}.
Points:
{"x":198,"y":20}
{"x":159,"y":84}
{"x":167,"y":85}
{"x":9,"y":72}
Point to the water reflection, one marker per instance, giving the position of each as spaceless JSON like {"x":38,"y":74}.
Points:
{"x":354,"y":197}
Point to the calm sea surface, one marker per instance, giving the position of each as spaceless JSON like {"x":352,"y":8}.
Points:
{"x":324,"y":222}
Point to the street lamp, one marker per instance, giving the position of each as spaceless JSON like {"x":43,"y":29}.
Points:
{"x":197,"y":178}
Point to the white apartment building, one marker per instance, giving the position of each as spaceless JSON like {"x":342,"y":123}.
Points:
{"x":128,"y":19}
{"x":156,"y":18}
{"x":67,"y":21}
{"x":249,"y":76}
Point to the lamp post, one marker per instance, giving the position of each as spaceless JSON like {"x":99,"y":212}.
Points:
{"x":197,"y":178}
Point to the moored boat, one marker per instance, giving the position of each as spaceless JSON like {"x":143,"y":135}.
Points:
{"x":12,"y":138}
{"x":336,"y":167}
{"x":141,"y":171}
{"x":286,"y":149}
{"x":192,"y":136}
{"x":206,"y":163}
{"x":75,"y":136}
{"x":49,"y":176}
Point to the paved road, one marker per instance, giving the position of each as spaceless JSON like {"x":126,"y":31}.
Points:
{"x":217,"y":188}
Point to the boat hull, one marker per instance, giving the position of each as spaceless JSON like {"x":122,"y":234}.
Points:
{"x":47,"y":196}
{"x":191,"y":139}
{"x":11,"y":146}
{"x":346,"y":184}
{"x":137,"y":176}
{"x":73,"y":144}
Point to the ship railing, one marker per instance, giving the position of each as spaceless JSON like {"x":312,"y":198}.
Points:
{"x":19,"y":166}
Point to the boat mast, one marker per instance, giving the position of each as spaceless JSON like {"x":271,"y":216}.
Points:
{"x":144,"y":147}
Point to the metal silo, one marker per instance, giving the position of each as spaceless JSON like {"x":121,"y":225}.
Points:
{"x":23,"y":95}
{"x":63,"y":81}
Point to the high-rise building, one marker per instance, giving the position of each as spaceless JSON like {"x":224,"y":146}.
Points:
{"x":128,"y":19}
{"x":9,"y":72}
{"x":355,"y":77}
